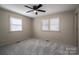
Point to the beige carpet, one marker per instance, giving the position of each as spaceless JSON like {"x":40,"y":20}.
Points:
{"x":37,"y":47}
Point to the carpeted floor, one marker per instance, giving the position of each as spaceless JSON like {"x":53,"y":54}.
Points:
{"x":37,"y":47}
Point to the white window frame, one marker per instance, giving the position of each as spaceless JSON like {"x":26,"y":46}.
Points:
{"x":15,"y":24}
{"x":55,"y":26}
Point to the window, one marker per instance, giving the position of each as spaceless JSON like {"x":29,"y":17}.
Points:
{"x":15,"y":24}
{"x":51,"y":25}
{"x":45,"y":25}
{"x":54,"y":24}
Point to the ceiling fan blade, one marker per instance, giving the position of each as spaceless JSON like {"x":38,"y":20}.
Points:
{"x":40,"y":5}
{"x":29,"y":11}
{"x":41,"y":10}
{"x":28,"y":7}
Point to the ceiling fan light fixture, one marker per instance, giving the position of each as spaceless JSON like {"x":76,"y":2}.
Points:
{"x":34,"y":11}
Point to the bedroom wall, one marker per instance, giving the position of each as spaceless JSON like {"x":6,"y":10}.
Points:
{"x":66,"y":33}
{"x":8,"y":37}
{"x":78,"y":31}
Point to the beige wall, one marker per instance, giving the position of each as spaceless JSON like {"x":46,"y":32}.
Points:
{"x":6,"y":36}
{"x":66,"y":33}
{"x":78,"y":31}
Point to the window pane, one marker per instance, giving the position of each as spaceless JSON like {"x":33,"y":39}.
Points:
{"x":54,"y":24}
{"x":44,"y":24}
{"x":16,"y":21}
{"x":54,"y":28}
{"x":15,"y":24}
{"x":45,"y":28}
{"x":16,"y":28}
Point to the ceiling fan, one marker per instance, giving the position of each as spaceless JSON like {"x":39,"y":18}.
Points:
{"x":35,"y":9}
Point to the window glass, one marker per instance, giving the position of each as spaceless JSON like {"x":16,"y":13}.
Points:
{"x":15,"y":24}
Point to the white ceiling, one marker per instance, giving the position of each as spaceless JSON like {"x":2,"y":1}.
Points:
{"x":50,"y":8}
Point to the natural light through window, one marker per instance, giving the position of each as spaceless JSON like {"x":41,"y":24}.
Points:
{"x":15,"y":24}
{"x":45,"y":25}
{"x":54,"y":24}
